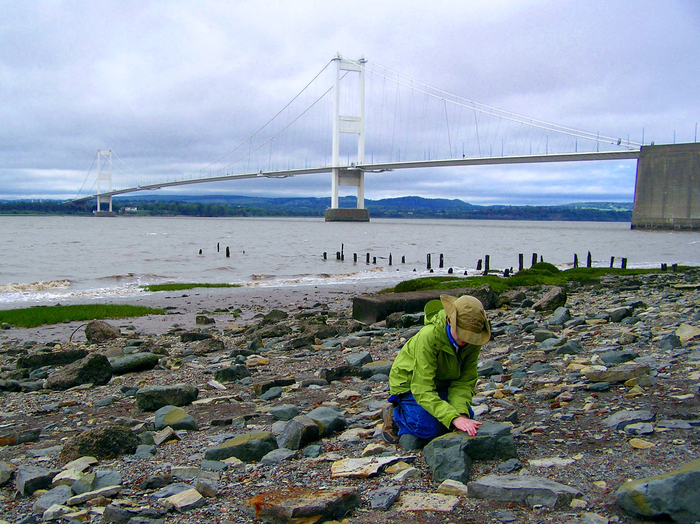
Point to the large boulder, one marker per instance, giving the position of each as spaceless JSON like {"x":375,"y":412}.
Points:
{"x":93,"y":369}
{"x":451,"y":456}
{"x":156,"y":397}
{"x":176,"y":418}
{"x":674,"y":494}
{"x":328,"y":420}
{"x":51,"y":358}
{"x":298,"y":432}
{"x":552,"y":299}
{"x":99,"y":331}
{"x":102,"y":442}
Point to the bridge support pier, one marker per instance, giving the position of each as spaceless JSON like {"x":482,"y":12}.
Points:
{"x":666,"y":194}
{"x":104,"y":174}
{"x":353,"y":124}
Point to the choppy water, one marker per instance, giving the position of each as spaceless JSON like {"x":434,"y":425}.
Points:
{"x":44,"y":259}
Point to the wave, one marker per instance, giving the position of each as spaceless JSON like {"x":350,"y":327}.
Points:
{"x":34,"y":286}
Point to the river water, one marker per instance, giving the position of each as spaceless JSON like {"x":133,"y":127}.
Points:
{"x":45,"y":259}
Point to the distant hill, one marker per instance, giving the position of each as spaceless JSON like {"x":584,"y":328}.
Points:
{"x":402,"y":207}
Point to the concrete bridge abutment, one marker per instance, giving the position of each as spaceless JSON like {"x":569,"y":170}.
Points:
{"x":667,"y":189}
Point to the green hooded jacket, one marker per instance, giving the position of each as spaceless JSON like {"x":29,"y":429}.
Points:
{"x":427,"y":363}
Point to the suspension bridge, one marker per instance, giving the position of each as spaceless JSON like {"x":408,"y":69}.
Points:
{"x":356,"y":117}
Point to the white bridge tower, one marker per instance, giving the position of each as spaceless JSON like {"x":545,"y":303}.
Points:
{"x":352,"y":175}
{"x":104,"y":174}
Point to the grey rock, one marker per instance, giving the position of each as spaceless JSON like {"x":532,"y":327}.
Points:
{"x":28,"y":479}
{"x":98,"y":331}
{"x":277,"y":455}
{"x":616,"y":315}
{"x":619,"y":420}
{"x":674,"y":424}
{"x":509,"y":466}
{"x":284,"y":412}
{"x":133,"y":362}
{"x":552,"y":299}
{"x":145,"y":451}
{"x":669,"y":342}
{"x":451,"y":456}
{"x":93,"y":369}
{"x":377,"y":367}
{"x":674,"y":494}
{"x":214,"y":465}
{"x":193,"y":336}
{"x":98,"y":479}
{"x":329,"y":420}
{"x":156,"y":397}
{"x":618,"y":357}
{"x":490,"y":368}
{"x":207,"y":488}
{"x":156,"y":481}
{"x":176,"y":418}
{"x":210,"y":345}
{"x":299,"y":432}
{"x":170,"y":490}
{"x":543,"y":334}
{"x":383,"y":498}
{"x":572,"y":347}
{"x":560,"y":316}
{"x":639,"y":428}
{"x":53,"y":358}
{"x":57,"y":495}
{"x":6,"y":472}
{"x":359,"y":359}
{"x":249,"y":447}
{"x":272,"y":393}
{"x":108,"y":441}
{"x":523,"y":489}
{"x":411,"y":442}
{"x":232,"y":373}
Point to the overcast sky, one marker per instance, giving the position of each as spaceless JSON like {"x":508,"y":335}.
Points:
{"x":172,"y":85}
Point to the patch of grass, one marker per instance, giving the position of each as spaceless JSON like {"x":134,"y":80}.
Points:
{"x":180,"y":287}
{"x":37,"y":316}
{"x":540,"y":274}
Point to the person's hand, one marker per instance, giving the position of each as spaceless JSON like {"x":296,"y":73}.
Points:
{"x":466,"y":424}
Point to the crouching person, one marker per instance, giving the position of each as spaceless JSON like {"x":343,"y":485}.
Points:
{"x":433,"y":378}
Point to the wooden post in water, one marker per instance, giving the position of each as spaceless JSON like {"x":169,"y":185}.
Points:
{"x":325,"y":255}
{"x":487,"y":259}
{"x":478,"y":265}
{"x":403,"y":259}
{"x":534,"y":259}
{"x":541,"y":258}
{"x":337,"y":255}
{"x":450,"y":271}
{"x":228,"y":252}
{"x":589,"y":260}
{"x":520,"y":261}
{"x":217,"y":247}
{"x":200,"y":251}
{"x":367,"y":258}
{"x":442,"y":261}
{"x":624,"y":263}
{"x":612,"y":262}
{"x":575,"y":260}
{"x":374,"y":260}
{"x":354,"y":258}
{"x":390,"y":259}
{"x":429,"y":266}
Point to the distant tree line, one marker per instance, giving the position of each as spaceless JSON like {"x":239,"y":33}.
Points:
{"x":408,"y":207}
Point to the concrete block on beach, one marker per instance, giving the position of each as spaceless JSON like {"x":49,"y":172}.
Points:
{"x":375,"y":308}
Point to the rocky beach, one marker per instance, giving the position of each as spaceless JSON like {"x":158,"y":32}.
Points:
{"x":264,"y":405}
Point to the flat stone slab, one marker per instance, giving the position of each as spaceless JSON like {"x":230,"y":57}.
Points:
{"x":418,"y":501}
{"x":361,"y":467}
{"x":523,"y":489}
{"x":296,"y":504}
